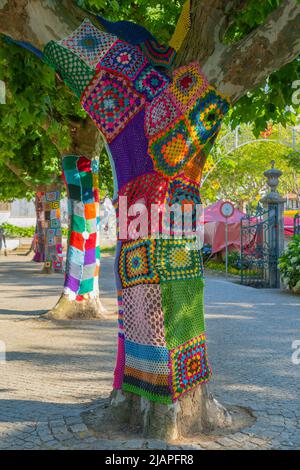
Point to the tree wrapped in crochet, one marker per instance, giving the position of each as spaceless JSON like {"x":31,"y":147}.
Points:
{"x":160,"y":114}
{"x":80,"y":298}
{"x":38,"y":242}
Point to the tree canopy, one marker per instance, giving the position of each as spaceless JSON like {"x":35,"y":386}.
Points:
{"x":35,"y":120}
{"x":239,"y":176}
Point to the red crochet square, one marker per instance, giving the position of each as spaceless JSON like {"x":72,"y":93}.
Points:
{"x":77,"y":240}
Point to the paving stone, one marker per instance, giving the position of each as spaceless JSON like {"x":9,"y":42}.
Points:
{"x":191,"y":447}
{"x":135,"y":444}
{"x":57,"y":372}
{"x":156,"y":444}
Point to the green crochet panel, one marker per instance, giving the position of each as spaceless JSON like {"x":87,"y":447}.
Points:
{"x":183,"y":307}
{"x":166,"y":400}
{"x":75,"y":73}
{"x":177,"y":260}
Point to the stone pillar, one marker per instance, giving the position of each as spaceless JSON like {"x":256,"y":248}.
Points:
{"x":274,"y":234}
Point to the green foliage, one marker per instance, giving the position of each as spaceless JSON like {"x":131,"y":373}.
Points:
{"x":13,"y":231}
{"x":270,"y":101}
{"x":253,"y":15}
{"x":234,"y":259}
{"x":273,"y":101}
{"x":158,"y":17}
{"x":239,"y":176}
{"x":105,"y":176}
{"x":289,"y":265}
{"x":217,"y":266}
{"x":10,"y":188}
{"x":37,"y":113}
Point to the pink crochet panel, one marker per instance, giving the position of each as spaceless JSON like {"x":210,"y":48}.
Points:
{"x":143,"y":315}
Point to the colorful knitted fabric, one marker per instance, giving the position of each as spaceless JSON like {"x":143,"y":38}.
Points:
{"x":147,"y":371}
{"x":75,"y":73}
{"x":143,"y":315}
{"x":136,"y":263}
{"x":177,"y":259}
{"x":149,"y":190}
{"x":111,"y":102}
{"x":126,"y":30}
{"x":53,"y":235}
{"x":83,"y":256}
{"x":158,"y":131}
{"x":89,"y":43}
{"x":183,"y":194}
{"x":189,"y":366}
{"x":120,"y":360}
{"x":182,"y":27}
{"x":39,"y":236}
{"x":158,"y":54}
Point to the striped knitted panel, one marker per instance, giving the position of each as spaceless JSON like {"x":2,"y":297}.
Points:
{"x":120,"y":359}
{"x":83,"y":256}
{"x":147,"y":371}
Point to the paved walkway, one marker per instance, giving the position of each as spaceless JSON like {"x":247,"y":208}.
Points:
{"x":54,"y":372}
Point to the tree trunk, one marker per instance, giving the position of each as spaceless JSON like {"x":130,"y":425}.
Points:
{"x":80,"y":298}
{"x":53,"y":235}
{"x":39,"y":236}
{"x":197,"y":412}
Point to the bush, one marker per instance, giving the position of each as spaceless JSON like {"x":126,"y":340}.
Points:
{"x":206,"y":252}
{"x":214,"y":265}
{"x":289,"y":265}
{"x":12,"y":231}
{"x":234,"y":259}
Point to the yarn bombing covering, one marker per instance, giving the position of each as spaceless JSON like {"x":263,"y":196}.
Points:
{"x":157,"y":130}
{"x":83,"y":257}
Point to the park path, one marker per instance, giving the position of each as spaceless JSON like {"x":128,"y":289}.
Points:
{"x":53,"y":372}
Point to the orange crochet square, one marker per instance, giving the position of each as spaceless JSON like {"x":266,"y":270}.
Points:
{"x":90,"y":211}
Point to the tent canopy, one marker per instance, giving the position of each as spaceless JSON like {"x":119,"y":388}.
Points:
{"x":212,"y":214}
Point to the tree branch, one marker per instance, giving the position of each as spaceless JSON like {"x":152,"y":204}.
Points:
{"x":208,"y":26}
{"x":84,"y":138}
{"x":238,"y":68}
{"x":21,"y":176}
{"x":39,"y":21}
{"x":18,"y":172}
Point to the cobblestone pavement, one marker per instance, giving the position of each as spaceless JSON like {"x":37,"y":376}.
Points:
{"x":53,"y":372}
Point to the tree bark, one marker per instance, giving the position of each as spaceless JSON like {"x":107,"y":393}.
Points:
{"x":194,"y":413}
{"x":39,"y":21}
